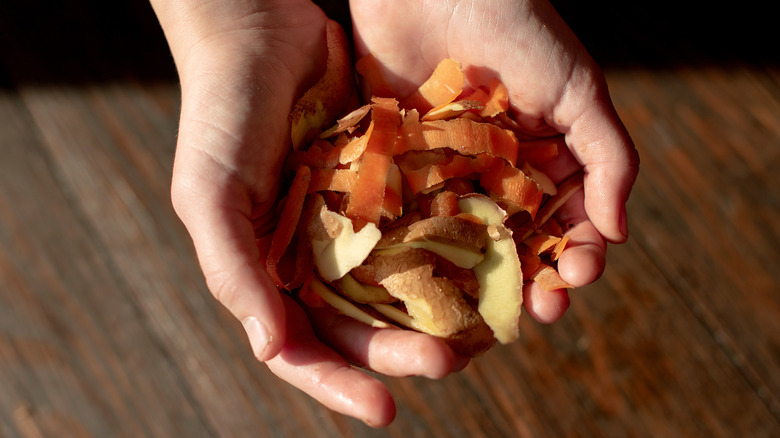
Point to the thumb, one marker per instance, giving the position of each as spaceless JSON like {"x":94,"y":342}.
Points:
{"x":225,"y":242}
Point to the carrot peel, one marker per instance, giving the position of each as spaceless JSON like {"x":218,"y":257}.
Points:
{"x":288,"y":221}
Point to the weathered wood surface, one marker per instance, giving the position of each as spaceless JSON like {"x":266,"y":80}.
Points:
{"x":106,"y":327}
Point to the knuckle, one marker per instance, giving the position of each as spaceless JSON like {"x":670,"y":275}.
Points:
{"x":222,"y":288}
{"x":180,"y":195}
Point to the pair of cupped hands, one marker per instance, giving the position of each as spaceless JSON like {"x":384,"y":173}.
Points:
{"x":242,"y":65}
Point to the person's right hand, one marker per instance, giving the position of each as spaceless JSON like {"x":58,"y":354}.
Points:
{"x":555,"y":87}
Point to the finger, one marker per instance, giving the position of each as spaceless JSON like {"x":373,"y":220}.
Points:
{"x":543,"y":305}
{"x":600,"y":142}
{"x":217,"y":216}
{"x":584,"y":258}
{"x":581,"y":263}
{"x":392,"y":352}
{"x":321,"y":373}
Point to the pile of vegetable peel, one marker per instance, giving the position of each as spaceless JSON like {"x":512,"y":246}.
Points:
{"x":424,"y":212}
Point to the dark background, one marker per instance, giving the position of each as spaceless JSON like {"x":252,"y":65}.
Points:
{"x":87,"y":40}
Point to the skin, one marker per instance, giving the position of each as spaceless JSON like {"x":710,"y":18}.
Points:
{"x":243,"y":64}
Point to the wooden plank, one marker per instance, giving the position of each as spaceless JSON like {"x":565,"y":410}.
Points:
{"x":711,"y":212}
{"x":75,"y":351}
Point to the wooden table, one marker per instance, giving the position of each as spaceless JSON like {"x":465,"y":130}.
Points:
{"x":107,"y":328}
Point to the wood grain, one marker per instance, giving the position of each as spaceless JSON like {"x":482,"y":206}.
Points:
{"x":107,"y":328}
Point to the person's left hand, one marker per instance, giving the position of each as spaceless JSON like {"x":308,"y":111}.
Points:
{"x":242,"y":65}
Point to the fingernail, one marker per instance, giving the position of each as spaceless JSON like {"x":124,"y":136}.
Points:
{"x":259,"y":339}
{"x":623,"y":223}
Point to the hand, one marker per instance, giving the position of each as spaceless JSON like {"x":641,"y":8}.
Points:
{"x":555,"y":87}
{"x":241,"y":66}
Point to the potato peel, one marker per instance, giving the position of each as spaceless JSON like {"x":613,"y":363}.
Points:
{"x":321,"y":104}
{"x":345,"y":306}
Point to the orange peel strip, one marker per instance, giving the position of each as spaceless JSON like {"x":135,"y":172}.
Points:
{"x":367,"y":198}
{"x":479,"y":95}
{"x":540,"y":243}
{"x":549,"y":279}
{"x":565,"y":190}
{"x":348,"y":122}
{"x":430,"y":176}
{"x":353,"y":150}
{"x":510,"y":184}
{"x":465,"y":136}
{"x":335,"y":180}
{"x":288,"y":221}
{"x":498,"y":99}
{"x":529,"y":264}
{"x":443,"y":86}
{"x":452,"y":109}
{"x":558,"y":250}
